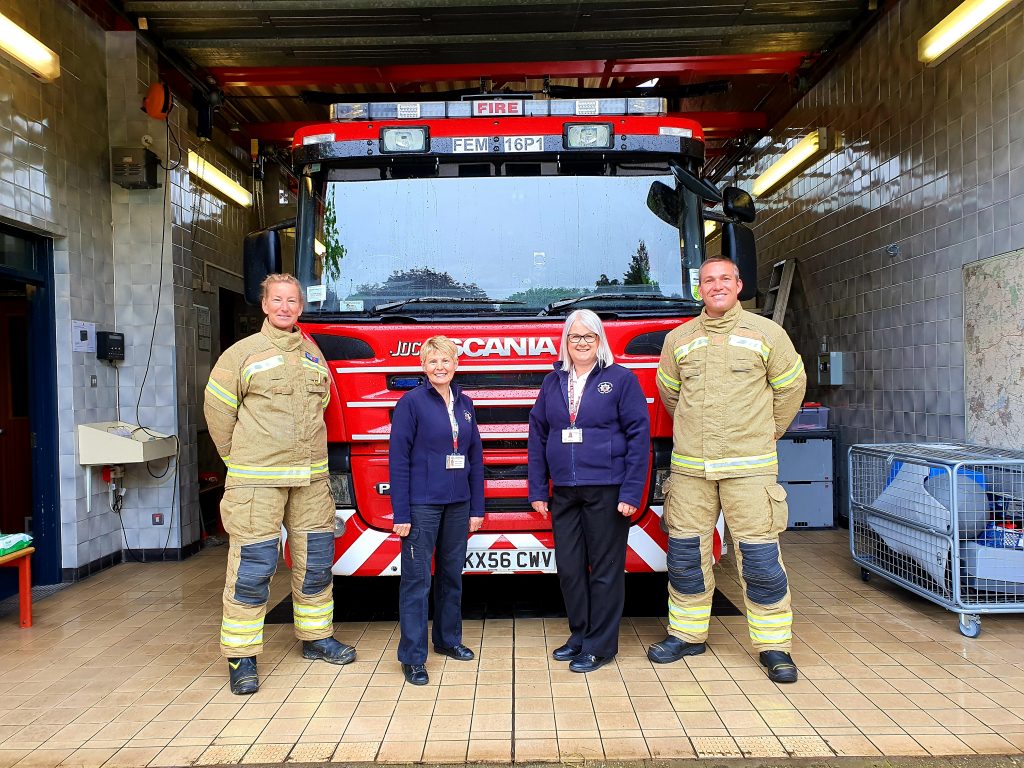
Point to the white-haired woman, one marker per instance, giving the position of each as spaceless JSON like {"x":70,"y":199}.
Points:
{"x":590,"y":438}
{"x":437,"y":496}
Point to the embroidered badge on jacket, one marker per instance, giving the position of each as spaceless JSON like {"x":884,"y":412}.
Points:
{"x":604,"y":387}
{"x":467,"y":415}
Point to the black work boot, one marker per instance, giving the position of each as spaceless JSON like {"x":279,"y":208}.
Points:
{"x":673,"y":649}
{"x":329,"y":650}
{"x":781,"y":668}
{"x":244,"y":680}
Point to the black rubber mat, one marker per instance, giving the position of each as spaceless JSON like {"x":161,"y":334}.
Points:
{"x":493,"y":597}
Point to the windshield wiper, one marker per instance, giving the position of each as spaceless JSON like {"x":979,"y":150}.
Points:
{"x":438,"y":300}
{"x":564,"y":303}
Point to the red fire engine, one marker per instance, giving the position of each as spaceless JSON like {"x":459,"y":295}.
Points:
{"x":487,"y":220}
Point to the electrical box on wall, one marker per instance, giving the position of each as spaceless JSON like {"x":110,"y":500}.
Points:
{"x":835,"y":369}
{"x":109,"y":346}
{"x":134,"y":167}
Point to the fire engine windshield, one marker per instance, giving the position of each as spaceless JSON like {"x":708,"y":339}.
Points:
{"x":505,"y":245}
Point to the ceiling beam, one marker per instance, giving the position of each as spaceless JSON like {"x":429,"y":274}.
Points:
{"x":716,"y":125}
{"x":712,"y":66}
{"x":490,"y":38}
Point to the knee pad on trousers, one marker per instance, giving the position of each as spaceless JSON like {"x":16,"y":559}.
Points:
{"x":319,"y":558}
{"x":685,"y":572}
{"x":762,"y":570}
{"x":255,"y":569}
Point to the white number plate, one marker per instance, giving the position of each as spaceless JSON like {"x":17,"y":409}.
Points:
{"x":508,"y":560}
{"x":523,"y":143}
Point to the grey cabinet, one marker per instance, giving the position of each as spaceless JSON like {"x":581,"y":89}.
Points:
{"x":807,"y":472}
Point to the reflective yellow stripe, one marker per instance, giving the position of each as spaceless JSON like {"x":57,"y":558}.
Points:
{"x":740,"y":462}
{"x":696,"y":619}
{"x":753,"y":344}
{"x":225,"y":459}
{"x":221,"y":394}
{"x":318,"y":468}
{"x":307,"y":363}
{"x":686,"y":349}
{"x":262,"y":365}
{"x":690,"y":462}
{"x":668,"y":381}
{"x":771,"y":629}
{"x":789,"y":376}
{"x":268,"y":473}
{"x":326,"y":399}
{"x":313,"y":616}
{"x":240,"y":633}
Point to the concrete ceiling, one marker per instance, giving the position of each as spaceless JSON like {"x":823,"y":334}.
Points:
{"x":739,"y":63}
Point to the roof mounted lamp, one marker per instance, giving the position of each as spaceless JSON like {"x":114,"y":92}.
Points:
{"x":801,"y":156}
{"x":27,"y":52}
{"x":966,"y":20}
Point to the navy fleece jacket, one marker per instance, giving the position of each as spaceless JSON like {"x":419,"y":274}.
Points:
{"x":616,"y":447}
{"x":421,"y":438}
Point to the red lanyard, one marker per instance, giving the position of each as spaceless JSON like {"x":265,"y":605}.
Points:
{"x":574,"y":404}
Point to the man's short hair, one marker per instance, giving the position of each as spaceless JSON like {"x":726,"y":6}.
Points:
{"x":279,"y":277}
{"x":725,"y":259}
{"x":440,"y":345}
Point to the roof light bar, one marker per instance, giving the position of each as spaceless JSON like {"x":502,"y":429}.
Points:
{"x":496,"y":108}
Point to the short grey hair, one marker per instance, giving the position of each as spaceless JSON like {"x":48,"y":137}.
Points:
{"x":593,"y":324}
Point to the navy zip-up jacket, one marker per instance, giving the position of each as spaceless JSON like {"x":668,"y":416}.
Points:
{"x":616,"y":426}
{"x":421,"y":438}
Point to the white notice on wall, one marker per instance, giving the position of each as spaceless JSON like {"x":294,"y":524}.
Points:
{"x":83,"y":336}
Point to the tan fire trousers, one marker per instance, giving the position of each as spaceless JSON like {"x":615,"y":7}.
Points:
{"x":756,"y":513}
{"x":252,"y":516}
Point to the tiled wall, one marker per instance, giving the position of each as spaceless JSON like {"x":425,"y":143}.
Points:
{"x":932,"y":168}
{"x":109,"y":245}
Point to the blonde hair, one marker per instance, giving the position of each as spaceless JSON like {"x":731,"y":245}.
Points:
{"x":593,"y":324}
{"x":280,"y":277}
{"x":440,"y":344}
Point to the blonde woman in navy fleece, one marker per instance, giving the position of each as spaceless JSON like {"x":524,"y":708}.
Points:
{"x":590,"y":436}
{"x":437,"y":495}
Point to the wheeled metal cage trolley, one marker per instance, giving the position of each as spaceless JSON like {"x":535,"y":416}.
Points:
{"x":943,"y":520}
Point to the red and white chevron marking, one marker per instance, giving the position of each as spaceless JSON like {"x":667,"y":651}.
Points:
{"x":365,"y":551}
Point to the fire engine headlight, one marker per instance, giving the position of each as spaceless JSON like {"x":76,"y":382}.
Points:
{"x":341,"y":489}
{"x":588,"y":136}
{"x":396,"y":140}
{"x":658,"y":489}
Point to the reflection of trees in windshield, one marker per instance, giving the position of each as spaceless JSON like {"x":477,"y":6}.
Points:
{"x":334,"y":251}
{"x":419,"y":282}
{"x":639,"y":270}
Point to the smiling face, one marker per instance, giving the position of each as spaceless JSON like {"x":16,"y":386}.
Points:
{"x":720,"y":287}
{"x":440,"y":368}
{"x":582,"y":345}
{"x":282,"y":305}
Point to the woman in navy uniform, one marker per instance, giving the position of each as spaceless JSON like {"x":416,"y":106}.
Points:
{"x":437,"y":496}
{"x":589,"y":436}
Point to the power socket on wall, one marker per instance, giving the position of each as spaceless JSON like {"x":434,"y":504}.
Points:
{"x":158,"y":518}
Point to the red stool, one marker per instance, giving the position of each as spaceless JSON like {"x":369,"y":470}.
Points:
{"x":22,"y":560}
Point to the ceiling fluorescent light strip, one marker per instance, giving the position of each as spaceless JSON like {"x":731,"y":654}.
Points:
{"x":27,"y":52}
{"x":966,"y":19}
{"x":805,"y":152}
{"x":198,"y":167}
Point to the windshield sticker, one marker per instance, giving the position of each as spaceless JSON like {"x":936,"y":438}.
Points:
{"x":351,"y":306}
{"x":316,"y":293}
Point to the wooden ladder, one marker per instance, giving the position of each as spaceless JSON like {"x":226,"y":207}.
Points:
{"x":780,"y":284}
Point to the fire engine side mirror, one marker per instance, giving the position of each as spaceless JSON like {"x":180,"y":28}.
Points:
{"x":738,"y":245}
{"x":738,"y":205}
{"x":261,"y":256}
{"x":664,"y":203}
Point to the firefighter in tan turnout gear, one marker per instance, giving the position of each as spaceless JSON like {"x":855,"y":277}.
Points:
{"x":264,"y":408}
{"x":733,"y":383}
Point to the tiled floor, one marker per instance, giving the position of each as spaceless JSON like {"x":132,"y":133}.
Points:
{"x":123,"y":670}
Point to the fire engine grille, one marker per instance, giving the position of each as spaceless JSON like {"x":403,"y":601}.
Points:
{"x":496,"y":414}
{"x":506,"y":505}
{"x":505,"y":472}
{"x":469,"y":380}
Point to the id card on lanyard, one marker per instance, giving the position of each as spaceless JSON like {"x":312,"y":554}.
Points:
{"x":454,"y":460}
{"x":573,"y":434}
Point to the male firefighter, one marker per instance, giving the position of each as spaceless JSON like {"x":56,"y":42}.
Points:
{"x":264,"y":407}
{"x":733,"y":383}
